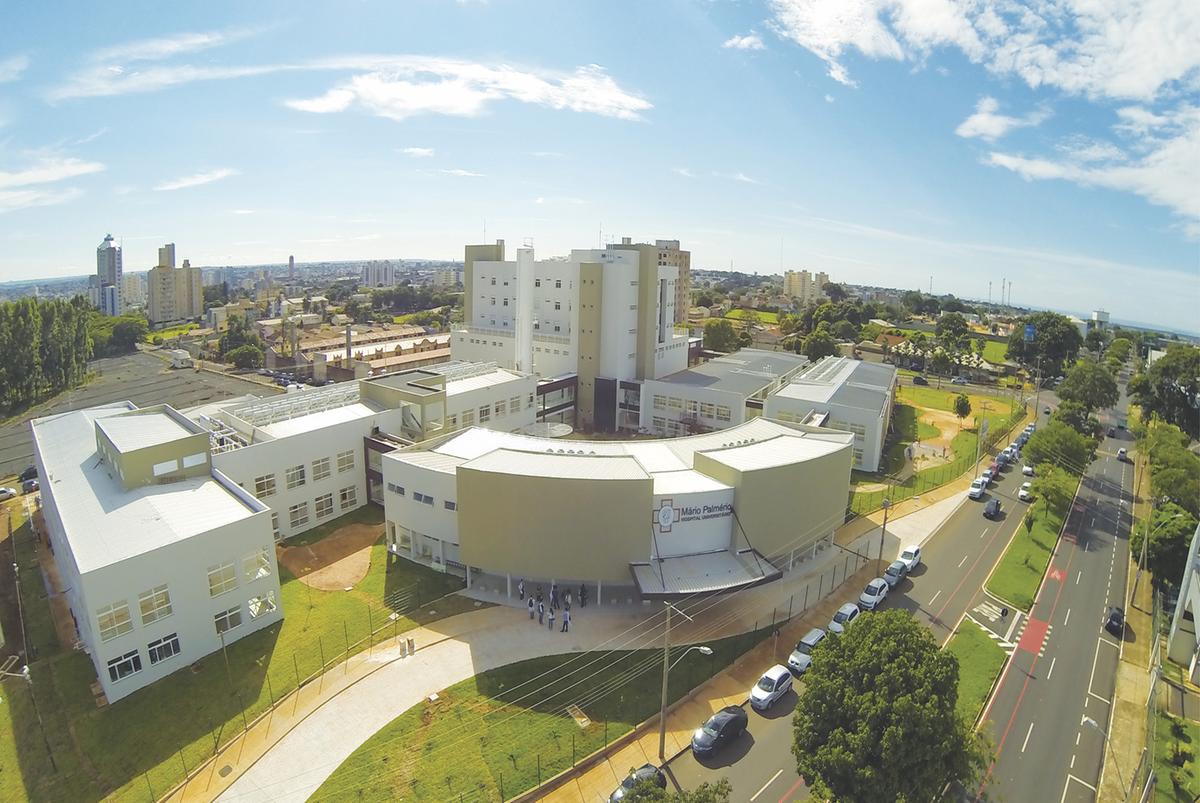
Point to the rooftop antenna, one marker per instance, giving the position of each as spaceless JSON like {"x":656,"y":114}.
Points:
{"x":931,"y":285}
{"x":485,"y":229}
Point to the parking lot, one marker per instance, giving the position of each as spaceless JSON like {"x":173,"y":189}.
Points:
{"x":142,"y":378}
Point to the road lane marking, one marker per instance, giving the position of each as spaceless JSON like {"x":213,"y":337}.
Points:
{"x":1072,"y":765}
{"x":1078,"y":576}
{"x":935,"y":596}
{"x":982,"y":534}
{"x":788,"y":793}
{"x":1051,"y":672}
{"x":1098,"y":697}
{"x":964,"y":560}
{"x":1025,"y":743}
{"x":764,"y":786}
{"x":1068,"y":619}
{"x":1077,"y":738}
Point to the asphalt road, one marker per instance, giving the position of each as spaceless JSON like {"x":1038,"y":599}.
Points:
{"x":955,"y":563}
{"x":1065,"y":664}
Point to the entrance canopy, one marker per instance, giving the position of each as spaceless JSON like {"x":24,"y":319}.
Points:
{"x":708,"y":573}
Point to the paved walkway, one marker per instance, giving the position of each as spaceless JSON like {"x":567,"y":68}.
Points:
{"x":287,"y":756}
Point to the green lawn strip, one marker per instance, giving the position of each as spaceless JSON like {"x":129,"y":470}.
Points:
{"x":927,"y":431}
{"x":1176,"y":742}
{"x":367,"y":514}
{"x":144,"y":741}
{"x":980,"y":660}
{"x":760,"y":316}
{"x":995,"y":352}
{"x":1019,"y":573}
{"x":491,"y":729}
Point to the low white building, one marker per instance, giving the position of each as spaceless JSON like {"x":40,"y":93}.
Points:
{"x":1183,"y":646}
{"x":842,"y":393}
{"x":162,"y":556}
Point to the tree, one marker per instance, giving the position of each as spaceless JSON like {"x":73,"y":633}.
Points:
{"x":834,"y":292}
{"x":704,"y":300}
{"x":245,"y":357}
{"x":962,"y":407}
{"x":1054,"y":487}
{"x":127,"y":332}
{"x":940,"y":362}
{"x":912,"y":301}
{"x":869,"y":332}
{"x":240,"y":333}
{"x":1091,"y":385}
{"x":1170,"y":389}
{"x":1056,"y":341}
{"x":1170,"y":538}
{"x":877,"y":719}
{"x":819,"y":344}
{"x":844,"y":330}
{"x":1077,"y":417}
{"x":647,"y":792}
{"x":1057,"y":444}
{"x":951,"y":329}
{"x":1121,"y":348}
{"x":1094,"y":340}
{"x":719,"y":335}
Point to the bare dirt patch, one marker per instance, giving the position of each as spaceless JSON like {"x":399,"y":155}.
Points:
{"x":339,"y":560}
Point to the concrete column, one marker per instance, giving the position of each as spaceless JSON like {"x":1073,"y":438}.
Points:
{"x":599,"y":593}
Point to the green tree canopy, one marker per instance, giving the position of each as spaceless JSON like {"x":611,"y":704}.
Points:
{"x":1170,"y":389}
{"x":844,"y":330}
{"x":245,"y":357}
{"x":877,"y":719}
{"x":1170,"y":538}
{"x":719,"y":335}
{"x":1056,"y":341}
{"x":1120,"y":347}
{"x":1091,"y":385}
{"x":1094,"y":340}
{"x":819,"y":344}
{"x":240,"y":333}
{"x":1054,"y":486}
{"x":952,"y":329}
{"x":127,"y":332}
{"x":1078,"y":418}
{"x":962,"y":407}
{"x":834,"y":291}
{"x":647,"y":792}
{"x":1057,"y":444}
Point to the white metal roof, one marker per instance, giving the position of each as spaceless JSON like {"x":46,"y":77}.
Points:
{"x":780,"y":451}
{"x":497,"y":376}
{"x":130,"y":432}
{"x":319,"y":420}
{"x":541,"y":464}
{"x":435,"y":461}
{"x":686,"y":482}
{"x":106,"y":524}
{"x":710,"y":572}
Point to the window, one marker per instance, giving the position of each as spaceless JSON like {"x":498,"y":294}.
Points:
{"x":256,"y":565}
{"x":114,"y":620}
{"x":506,"y":302}
{"x":165,"y":467}
{"x":514,"y":404}
{"x":468,"y":418}
{"x":221,"y":579}
{"x":674,"y":402}
{"x":858,"y":457}
{"x":128,"y":664}
{"x":320,"y":469}
{"x":154,"y":604}
{"x":348,"y":497}
{"x":558,"y":305}
{"x":659,"y":423}
{"x":345,"y":461}
{"x":493,"y":298}
{"x":454,"y":421}
{"x":264,"y":486}
{"x":485,"y":413}
{"x":396,"y":489}
{"x":228,"y":620}
{"x":500,"y":408}
{"x":530,"y":402}
{"x":537,"y":282}
{"x":295,"y":476}
{"x":275,"y":525}
{"x":707,"y":409}
{"x":324,"y":505}
{"x":423,"y":498}
{"x":660,"y":402}
{"x":193,"y":460}
{"x":558,"y":284}
{"x":260,"y":605}
{"x":493,"y":281}
{"x":693,"y":406}
{"x":450,"y":505}
{"x":298,"y":514}
{"x":163,"y":648}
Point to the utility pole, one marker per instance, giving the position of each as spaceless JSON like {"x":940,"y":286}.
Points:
{"x":662,"y":709}
{"x":887,"y":505}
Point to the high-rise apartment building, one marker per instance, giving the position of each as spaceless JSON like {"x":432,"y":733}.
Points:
{"x":669,"y":253}
{"x":133,"y":289}
{"x":379,"y":274}
{"x":173,"y":294}
{"x":109,"y":272}
{"x":803,"y":286}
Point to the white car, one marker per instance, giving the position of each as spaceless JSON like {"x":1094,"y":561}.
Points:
{"x":774,"y":683}
{"x":1026,"y":492}
{"x":801,"y":657}
{"x":1122,"y":455}
{"x":844,"y":616}
{"x":7,"y":493}
{"x":977,"y":488}
{"x":911,"y":556}
{"x":875,"y":592}
{"x":1027,"y":470}
{"x":987,"y":476}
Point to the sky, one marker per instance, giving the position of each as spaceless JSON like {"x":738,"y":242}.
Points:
{"x":906,"y":143}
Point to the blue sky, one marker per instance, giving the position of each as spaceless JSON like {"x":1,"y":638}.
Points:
{"x":1056,"y":144}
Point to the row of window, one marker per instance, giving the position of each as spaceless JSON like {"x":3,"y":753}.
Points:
{"x":130,"y":663}
{"x":322,"y":506}
{"x":417,"y":496}
{"x":500,"y":408}
{"x":295,"y":476}
{"x":720,"y":412}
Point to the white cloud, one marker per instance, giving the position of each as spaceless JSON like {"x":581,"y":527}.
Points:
{"x":13,"y":68}
{"x":12,"y":200}
{"x":738,"y":176}
{"x":196,"y":179}
{"x":458,"y":171}
{"x":987,"y":123}
{"x":828,"y":28}
{"x":99,"y":132}
{"x":829,"y":98}
{"x":417,"y":153}
{"x":48,"y":170}
{"x":683,"y":171}
{"x":750,"y":41}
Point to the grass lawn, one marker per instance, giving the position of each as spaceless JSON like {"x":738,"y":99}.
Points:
{"x":143,"y":741}
{"x":762,"y":317}
{"x":980,"y":660}
{"x":1175,"y":744}
{"x":490,"y":730}
{"x":174,"y":331}
{"x":1017,"y":576}
{"x":994,"y":352}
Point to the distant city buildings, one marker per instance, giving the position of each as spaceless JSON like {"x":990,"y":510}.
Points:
{"x":109,"y":270}
{"x":133,"y":289}
{"x":803,"y":287}
{"x":447,"y":277}
{"x":173,"y":294}
{"x":670,"y":254}
{"x":379,"y":274}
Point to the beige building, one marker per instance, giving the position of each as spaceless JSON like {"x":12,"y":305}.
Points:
{"x":803,"y":286}
{"x":173,"y":294}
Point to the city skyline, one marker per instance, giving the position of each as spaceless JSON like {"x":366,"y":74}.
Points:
{"x":765,"y":136}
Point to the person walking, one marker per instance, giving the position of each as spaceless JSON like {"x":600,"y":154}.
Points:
{"x":541,"y":611}
{"x":553,"y":597}
{"x":582,"y":595}
{"x":567,"y":600}
{"x":566,"y":620}
{"x":539,"y":596}
{"x":551,"y":617}
{"x":530,"y":606}
{"x":521,"y":589}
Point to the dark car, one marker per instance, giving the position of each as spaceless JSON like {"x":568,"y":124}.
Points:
{"x":28,"y":474}
{"x":29,"y":486}
{"x":1112,"y":432}
{"x":647,"y":773}
{"x":721,"y":729}
{"x":992,"y":509}
{"x":920,"y":380}
{"x":1114,"y":621}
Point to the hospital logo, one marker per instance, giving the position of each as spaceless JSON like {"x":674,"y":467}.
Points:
{"x":665,"y":516}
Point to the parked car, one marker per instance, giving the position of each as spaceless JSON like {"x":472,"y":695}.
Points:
{"x":987,"y":476}
{"x":843,"y":617}
{"x":1001,"y":460}
{"x":894,"y":573}
{"x":1046,"y":410}
{"x":992,"y":509}
{"x":7,"y":493}
{"x":1025,"y":494}
{"x":801,"y":657}
{"x":911,"y":556}
{"x":976,"y":489}
{"x":720,"y":729}
{"x":1122,"y":454}
{"x":994,"y":468}
{"x":875,"y":593}
{"x":1114,"y":621}
{"x":28,"y":474}
{"x":1112,"y":432}
{"x":920,"y":380}
{"x":775,"y":682}
{"x":1027,"y":470}
{"x":646,"y":772}
{"x":960,"y":380}
{"x":29,"y":486}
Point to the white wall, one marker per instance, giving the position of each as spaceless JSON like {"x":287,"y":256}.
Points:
{"x":522,"y":389}
{"x":689,"y":396}
{"x":409,"y":520}
{"x":703,"y":522}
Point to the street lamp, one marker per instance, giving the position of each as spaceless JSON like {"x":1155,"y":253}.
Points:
{"x":667,"y":667}
{"x":1094,"y":725}
{"x":887,"y":504}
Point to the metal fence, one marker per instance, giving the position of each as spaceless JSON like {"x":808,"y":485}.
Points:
{"x":1144,"y":781}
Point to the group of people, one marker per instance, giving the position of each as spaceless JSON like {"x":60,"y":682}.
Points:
{"x":536,"y":604}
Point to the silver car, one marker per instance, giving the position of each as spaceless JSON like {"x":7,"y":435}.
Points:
{"x":844,"y":616}
{"x":893,"y":574}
